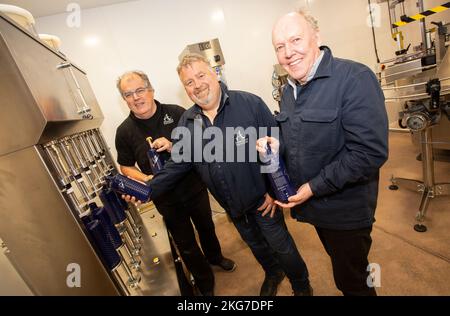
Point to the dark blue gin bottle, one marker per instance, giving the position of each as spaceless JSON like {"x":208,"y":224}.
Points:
{"x":127,"y":186}
{"x":156,"y":162}
{"x":278,"y":177}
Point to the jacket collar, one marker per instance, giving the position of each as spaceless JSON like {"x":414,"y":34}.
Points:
{"x":325,"y":67}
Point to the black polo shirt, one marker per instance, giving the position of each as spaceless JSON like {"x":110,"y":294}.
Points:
{"x":132,"y":147}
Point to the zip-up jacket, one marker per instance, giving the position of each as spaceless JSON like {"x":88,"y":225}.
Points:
{"x":335,"y":137}
{"x":238,"y":185}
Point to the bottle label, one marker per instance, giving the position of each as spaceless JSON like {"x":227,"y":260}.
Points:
{"x":278,"y":177}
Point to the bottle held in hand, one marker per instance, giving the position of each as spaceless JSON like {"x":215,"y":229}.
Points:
{"x":278,"y":177}
{"x":126,"y":186}
{"x":156,"y":162}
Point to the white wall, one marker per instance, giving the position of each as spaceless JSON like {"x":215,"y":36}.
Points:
{"x":149,"y":35}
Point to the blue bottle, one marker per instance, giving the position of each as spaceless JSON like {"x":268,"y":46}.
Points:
{"x":278,"y":177}
{"x":127,"y":186}
{"x":156,"y":162}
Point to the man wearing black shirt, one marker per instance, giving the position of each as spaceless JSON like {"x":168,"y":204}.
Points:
{"x":189,"y":200}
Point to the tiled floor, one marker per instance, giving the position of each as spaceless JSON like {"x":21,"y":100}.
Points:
{"x":411,"y":263}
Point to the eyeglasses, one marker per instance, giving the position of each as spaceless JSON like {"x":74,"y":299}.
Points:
{"x":130,"y":94}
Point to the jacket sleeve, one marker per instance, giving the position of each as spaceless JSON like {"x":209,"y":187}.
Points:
{"x":172,"y":172}
{"x":167,"y":179}
{"x":365,"y":126}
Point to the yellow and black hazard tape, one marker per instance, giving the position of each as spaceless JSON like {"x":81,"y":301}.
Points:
{"x":408,"y":19}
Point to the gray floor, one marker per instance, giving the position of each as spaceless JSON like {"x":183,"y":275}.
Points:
{"x":411,"y":263}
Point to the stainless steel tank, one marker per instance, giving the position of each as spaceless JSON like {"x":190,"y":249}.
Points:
{"x":53,"y":164}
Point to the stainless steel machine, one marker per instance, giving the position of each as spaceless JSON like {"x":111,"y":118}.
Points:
{"x":212,"y":51}
{"x":417,"y":90}
{"x":279,"y":80}
{"x":60,"y":229}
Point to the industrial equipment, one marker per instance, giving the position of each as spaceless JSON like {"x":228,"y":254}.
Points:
{"x":279,"y":79}
{"x":212,"y":51}
{"x":65,"y":231}
{"x":417,"y":91}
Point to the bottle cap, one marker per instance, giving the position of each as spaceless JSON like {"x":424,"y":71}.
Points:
{"x":150,"y":140}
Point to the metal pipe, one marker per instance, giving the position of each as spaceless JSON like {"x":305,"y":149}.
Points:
{"x":411,"y":85}
{"x":413,"y":95}
{"x":90,"y":163}
{"x":122,"y":284}
{"x":133,"y":222}
{"x":133,"y":231}
{"x":134,"y":263}
{"x":427,"y":158}
{"x":78,"y":161}
{"x":62,"y":174}
{"x":91,"y":152}
{"x":101,"y":152}
{"x":63,"y":146}
{"x":409,"y":70}
{"x":85,"y":165}
{"x":135,"y":249}
{"x":423,"y":29}
{"x":133,"y":281}
{"x":80,"y":208}
{"x":87,"y":153}
{"x":103,"y":147}
{"x":79,"y":181}
{"x":95,"y":153}
{"x":86,"y":107}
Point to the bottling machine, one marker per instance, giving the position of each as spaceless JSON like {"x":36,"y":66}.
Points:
{"x":62,"y":229}
{"x":417,"y":90}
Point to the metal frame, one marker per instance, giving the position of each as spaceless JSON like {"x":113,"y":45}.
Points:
{"x":428,"y":187}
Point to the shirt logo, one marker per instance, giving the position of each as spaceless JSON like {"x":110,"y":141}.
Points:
{"x":167,"y":119}
{"x":240,"y":139}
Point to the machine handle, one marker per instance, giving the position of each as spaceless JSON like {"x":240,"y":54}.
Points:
{"x":63,"y":65}
{"x":85,"y":107}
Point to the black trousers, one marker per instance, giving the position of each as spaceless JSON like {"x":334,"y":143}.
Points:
{"x":179,"y":220}
{"x":348,"y":250}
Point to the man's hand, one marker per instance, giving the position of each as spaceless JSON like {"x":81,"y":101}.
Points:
{"x":303,"y":194}
{"x":162,"y":144}
{"x":273,"y":142}
{"x":148,"y":178}
{"x":268,"y":206}
{"x":131,"y":199}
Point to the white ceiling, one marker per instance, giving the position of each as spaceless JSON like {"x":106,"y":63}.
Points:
{"x":51,"y":7}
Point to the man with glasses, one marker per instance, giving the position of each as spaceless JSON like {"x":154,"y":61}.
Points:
{"x":189,"y":200}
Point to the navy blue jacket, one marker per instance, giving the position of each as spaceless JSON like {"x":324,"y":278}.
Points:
{"x":238,"y":186}
{"x":335,"y":136}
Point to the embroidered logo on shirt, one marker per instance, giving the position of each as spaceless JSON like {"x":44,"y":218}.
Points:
{"x":167,"y":119}
{"x":240,"y":139}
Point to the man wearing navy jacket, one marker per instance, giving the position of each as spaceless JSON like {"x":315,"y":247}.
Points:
{"x":239,"y":186}
{"x":334,"y":136}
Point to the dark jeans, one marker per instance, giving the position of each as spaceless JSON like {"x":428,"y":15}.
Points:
{"x":348,"y":250}
{"x":179,"y":220}
{"x":273,"y":246}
